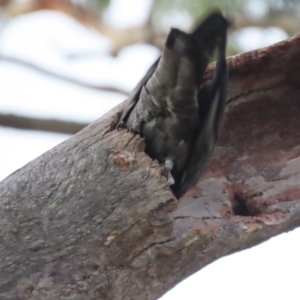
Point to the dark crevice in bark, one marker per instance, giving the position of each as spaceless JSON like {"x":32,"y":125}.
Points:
{"x":239,"y":206}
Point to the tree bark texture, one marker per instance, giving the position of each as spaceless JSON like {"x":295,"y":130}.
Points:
{"x":93,"y":219}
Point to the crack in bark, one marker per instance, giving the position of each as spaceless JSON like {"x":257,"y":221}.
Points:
{"x":187,"y":217}
{"x":122,"y":233}
{"x":108,"y":215}
{"x":86,"y":138}
{"x":148,"y":174}
{"x":102,"y":173}
{"x":128,"y":141}
{"x":134,"y":151}
{"x":45,"y":165}
{"x":89,"y":145}
{"x":275,"y":86}
{"x":198,"y":218}
{"x":151,"y":246}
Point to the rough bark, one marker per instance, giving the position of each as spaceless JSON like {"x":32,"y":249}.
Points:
{"x":92,"y":218}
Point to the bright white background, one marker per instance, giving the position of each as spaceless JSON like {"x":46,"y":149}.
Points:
{"x":268,"y":271}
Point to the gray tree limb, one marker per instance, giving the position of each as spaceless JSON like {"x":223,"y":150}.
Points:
{"x":92,"y":218}
{"x":52,"y":125}
{"x":55,"y":75}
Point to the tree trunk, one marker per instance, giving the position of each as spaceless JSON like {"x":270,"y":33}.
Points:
{"x":93,"y":219}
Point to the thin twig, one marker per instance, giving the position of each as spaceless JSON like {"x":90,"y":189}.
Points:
{"x":44,"y":71}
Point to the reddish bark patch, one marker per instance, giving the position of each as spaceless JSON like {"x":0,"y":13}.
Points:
{"x":124,"y":160}
{"x":255,"y":169}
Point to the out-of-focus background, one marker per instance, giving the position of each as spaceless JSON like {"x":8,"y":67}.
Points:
{"x":64,"y":63}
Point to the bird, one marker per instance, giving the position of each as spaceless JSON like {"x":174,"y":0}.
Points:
{"x":179,"y":118}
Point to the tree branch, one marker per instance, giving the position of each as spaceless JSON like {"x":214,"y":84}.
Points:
{"x":92,"y":218}
{"x":287,"y":21}
{"x":55,"y":75}
{"x":10,"y":120}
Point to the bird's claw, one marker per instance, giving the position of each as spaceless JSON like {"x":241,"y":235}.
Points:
{"x":121,"y":125}
{"x":171,"y":180}
{"x":168,"y":166}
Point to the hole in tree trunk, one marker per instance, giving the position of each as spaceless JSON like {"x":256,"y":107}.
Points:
{"x":239,"y":206}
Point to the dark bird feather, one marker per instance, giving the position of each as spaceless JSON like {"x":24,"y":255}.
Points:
{"x":179,"y":119}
